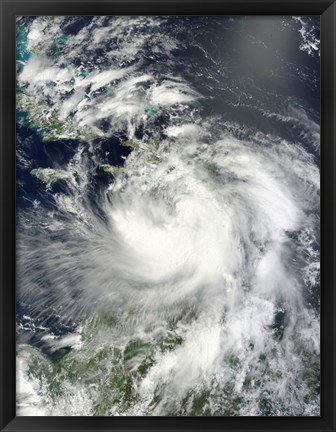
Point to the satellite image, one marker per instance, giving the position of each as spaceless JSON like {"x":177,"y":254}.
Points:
{"x":168,"y":215}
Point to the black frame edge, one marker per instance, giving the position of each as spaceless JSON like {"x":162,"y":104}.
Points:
{"x":328,"y":212}
{"x":167,"y":7}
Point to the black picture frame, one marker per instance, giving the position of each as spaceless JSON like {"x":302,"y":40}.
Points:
{"x":327,"y":10}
